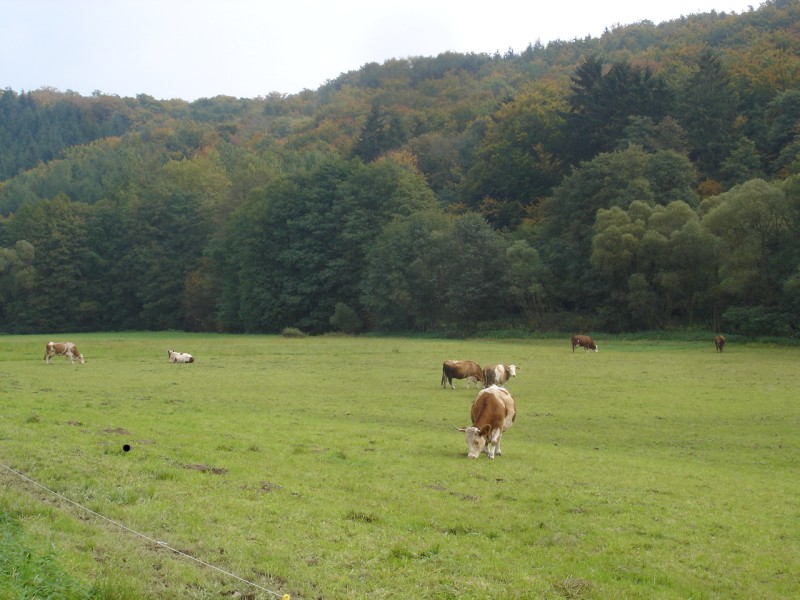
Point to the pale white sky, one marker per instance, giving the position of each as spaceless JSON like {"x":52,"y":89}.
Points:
{"x":191,"y":49}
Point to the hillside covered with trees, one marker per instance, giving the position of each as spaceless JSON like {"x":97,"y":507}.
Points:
{"x":646,"y":179}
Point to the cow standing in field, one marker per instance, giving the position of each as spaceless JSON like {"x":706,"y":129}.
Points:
{"x":719,"y":342}
{"x":66,"y":349}
{"x":461,"y":369}
{"x":493,"y":411}
{"x":498,"y":374}
{"x":179,"y":357}
{"x":585,"y":341}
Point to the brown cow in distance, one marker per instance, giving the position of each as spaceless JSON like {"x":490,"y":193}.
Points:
{"x":719,"y":342}
{"x":585,"y":341}
{"x":461,"y":369}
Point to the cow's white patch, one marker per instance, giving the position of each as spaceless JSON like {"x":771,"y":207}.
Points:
{"x":475,"y":442}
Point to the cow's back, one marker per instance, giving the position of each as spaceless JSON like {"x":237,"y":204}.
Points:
{"x":509,"y":405}
{"x":491,"y":375}
{"x":495,"y":407}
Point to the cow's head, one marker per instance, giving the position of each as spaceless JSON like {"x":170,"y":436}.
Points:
{"x":476,"y":439}
{"x":512,"y":371}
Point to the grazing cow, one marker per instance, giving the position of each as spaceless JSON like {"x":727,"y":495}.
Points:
{"x":461,"y":369}
{"x":585,"y":341}
{"x":719,"y":342}
{"x":498,"y":374}
{"x":492,"y":413}
{"x":179,"y":357}
{"x":67,"y":349}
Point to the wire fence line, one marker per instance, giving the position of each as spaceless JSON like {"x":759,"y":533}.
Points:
{"x":139,"y":534}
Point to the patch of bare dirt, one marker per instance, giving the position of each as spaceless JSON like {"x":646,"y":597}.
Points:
{"x":206,"y":468}
{"x":118,"y":431}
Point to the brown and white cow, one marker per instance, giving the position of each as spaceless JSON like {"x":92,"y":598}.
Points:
{"x":498,"y":374}
{"x":492,"y":413}
{"x":719,"y":342}
{"x":179,"y":357}
{"x":66,"y":349}
{"x":461,"y":369}
{"x":585,"y":341}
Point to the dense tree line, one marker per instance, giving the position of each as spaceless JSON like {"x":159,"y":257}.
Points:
{"x":646,"y":179}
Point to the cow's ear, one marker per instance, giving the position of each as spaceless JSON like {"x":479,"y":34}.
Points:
{"x":486,"y":429}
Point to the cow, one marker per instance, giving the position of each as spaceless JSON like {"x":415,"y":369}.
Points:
{"x":66,"y":349}
{"x":498,"y":374}
{"x":585,"y":341}
{"x":719,"y":342}
{"x":493,"y":411}
{"x":461,"y":369}
{"x":179,"y":357}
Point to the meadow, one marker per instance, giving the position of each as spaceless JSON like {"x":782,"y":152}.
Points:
{"x":329,"y":467}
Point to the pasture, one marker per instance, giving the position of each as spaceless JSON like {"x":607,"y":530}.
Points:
{"x":330,"y":468}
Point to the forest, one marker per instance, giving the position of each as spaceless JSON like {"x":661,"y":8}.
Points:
{"x":647,"y":179}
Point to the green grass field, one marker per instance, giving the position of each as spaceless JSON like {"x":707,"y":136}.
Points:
{"x":330,"y":468}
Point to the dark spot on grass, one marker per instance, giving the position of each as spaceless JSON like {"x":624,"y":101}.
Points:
{"x":459,"y":530}
{"x":361,"y":517}
{"x":206,"y":469}
{"x":440,"y":488}
{"x":573,"y":587}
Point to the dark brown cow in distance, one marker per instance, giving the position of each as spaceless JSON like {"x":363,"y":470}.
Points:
{"x":719,"y":342}
{"x":585,"y":341}
{"x":461,"y":369}
{"x":493,"y":411}
{"x":67,"y":349}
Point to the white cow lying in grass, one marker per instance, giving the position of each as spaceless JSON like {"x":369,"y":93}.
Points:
{"x":179,"y":357}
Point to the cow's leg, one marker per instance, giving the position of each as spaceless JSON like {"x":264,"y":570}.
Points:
{"x":493,"y":446}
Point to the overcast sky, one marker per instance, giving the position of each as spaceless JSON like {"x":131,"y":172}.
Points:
{"x":191,"y":49}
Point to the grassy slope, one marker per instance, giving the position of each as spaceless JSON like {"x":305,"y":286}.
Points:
{"x":329,"y":467}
